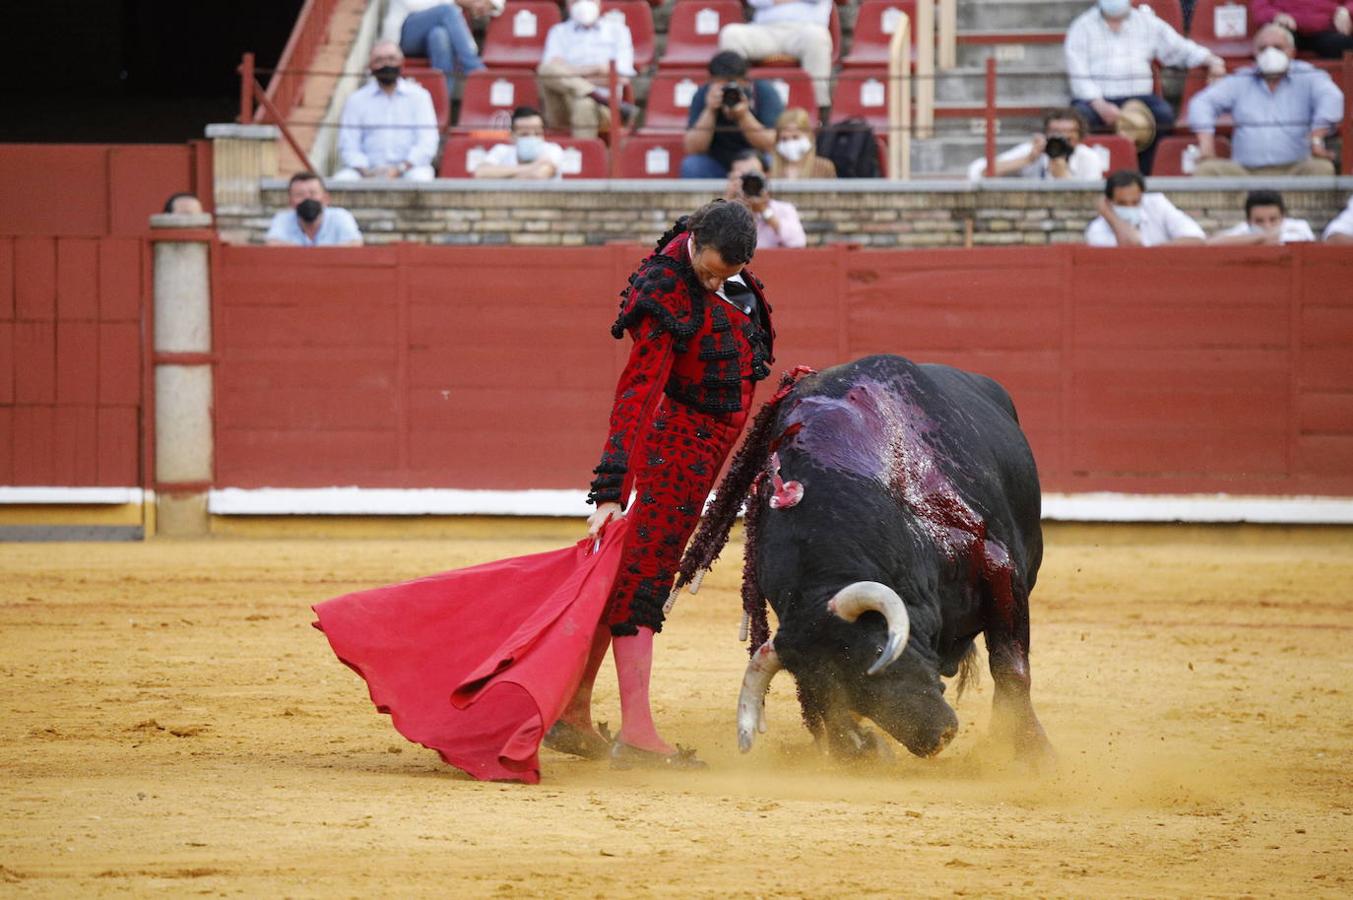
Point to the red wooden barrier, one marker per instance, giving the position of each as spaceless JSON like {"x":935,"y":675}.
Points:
{"x":1152,"y":371}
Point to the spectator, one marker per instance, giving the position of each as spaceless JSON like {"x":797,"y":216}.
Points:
{"x":1340,"y":228}
{"x":1109,"y":50}
{"x":1265,"y":222}
{"x":575,"y":69}
{"x":1129,"y":217}
{"x":1322,"y":27}
{"x":529,"y":157}
{"x":439,"y":31}
{"x":729,"y":114}
{"x":797,"y":28}
{"x":794,"y":155}
{"x":777,"y":222}
{"x":388,"y":128}
{"x":183,"y":204}
{"x":1282,"y":107}
{"x":1056,"y":152}
{"x":311,"y":221}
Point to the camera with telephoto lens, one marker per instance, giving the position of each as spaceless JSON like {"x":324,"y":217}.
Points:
{"x":752,"y":184}
{"x":1057,"y":147}
{"x":732,"y":96}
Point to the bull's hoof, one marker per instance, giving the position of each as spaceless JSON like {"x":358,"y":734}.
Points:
{"x":1033,"y":749}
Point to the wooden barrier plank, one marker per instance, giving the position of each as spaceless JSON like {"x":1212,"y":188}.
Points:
{"x":77,"y":362}
{"x":35,"y":278}
{"x":6,"y":279}
{"x":1326,"y":369}
{"x":7,"y":448}
{"x":298,"y":458}
{"x":1326,"y":456}
{"x":75,"y":456}
{"x":119,"y":446}
{"x":120,"y":282}
{"x":7,"y":362}
{"x":35,"y":362}
{"x":77,"y":278}
{"x":33,"y":450}
{"x":1324,"y":413}
{"x":120,"y":363}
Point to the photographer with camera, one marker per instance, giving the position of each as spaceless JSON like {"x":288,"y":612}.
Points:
{"x":1057,"y":152}
{"x":729,"y":114}
{"x":777,"y":222}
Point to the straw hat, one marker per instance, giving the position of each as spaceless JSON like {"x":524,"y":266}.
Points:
{"x":1137,"y":123}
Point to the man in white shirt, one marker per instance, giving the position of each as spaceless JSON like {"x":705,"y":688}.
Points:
{"x":1129,"y":217}
{"x":388,"y":128}
{"x":574,"y":72}
{"x":1109,"y":49}
{"x":1056,"y":152}
{"x":1266,"y":222}
{"x":777,"y":221}
{"x":797,"y":28}
{"x":529,"y":157}
{"x":1340,"y":228}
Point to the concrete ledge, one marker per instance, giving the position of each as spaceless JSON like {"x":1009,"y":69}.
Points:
{"x":84,"y":496}
{"x":243,"y":132}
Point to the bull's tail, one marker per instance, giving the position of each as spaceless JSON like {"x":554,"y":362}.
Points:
{"x":969,"y":670}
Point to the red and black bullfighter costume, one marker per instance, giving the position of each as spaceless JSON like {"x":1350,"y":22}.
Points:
{"x":680,"y":405}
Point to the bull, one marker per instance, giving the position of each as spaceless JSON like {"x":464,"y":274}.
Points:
{"x":893,"y":514}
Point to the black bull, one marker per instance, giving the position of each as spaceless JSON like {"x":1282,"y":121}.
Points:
{"x":892,"y":516}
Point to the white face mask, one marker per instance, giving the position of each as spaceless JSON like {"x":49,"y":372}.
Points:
{"x":1272,"y":61}
{"x":585,"y":12}
{"x":529,"y":147}
{"x":1115,"y":9}
{"x":793,"y":149}
{"x":1129,"y":214}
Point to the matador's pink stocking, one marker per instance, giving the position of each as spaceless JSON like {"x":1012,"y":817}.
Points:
{"x":633,"y":665}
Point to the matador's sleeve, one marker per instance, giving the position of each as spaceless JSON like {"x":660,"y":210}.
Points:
{"x":656,"y":312}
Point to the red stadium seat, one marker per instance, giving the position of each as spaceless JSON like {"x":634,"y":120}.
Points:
{"x":693,"y":31}
{"x":794,"y":85}
{"x":638,"y":15}
{"x":862,"y":93}
{"x":583,"y":157}
{"x":1122,"y":152}
{"x":1168,"y":11}
{"x":874,"y":28}
{"x":1203,"y":29}
{"x":517,"y":37}
{"x":435,"y":82}
{"x":669,"y":100}
{"x":651,"y":156}
{"x":490,"y":96}
{"x":1170,"y":154}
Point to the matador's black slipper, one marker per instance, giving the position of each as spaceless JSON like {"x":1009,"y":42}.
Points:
{"x":624,"y":756}
{"x":576,"y":741}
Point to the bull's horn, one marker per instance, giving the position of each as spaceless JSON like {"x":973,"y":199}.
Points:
{"x":765,"y":662}
{"x":869,"y":596}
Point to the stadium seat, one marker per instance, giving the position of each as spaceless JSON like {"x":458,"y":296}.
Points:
{"x":435,"y":82}
{"x":638,"y":15}
{"x":669,"y":100}
{"x":693,"y":31}
{"x":490,"y":96}
{"x":874,"y":28}
{"x":1170,"y":153}
{"x":1168,"y":11}
{"x":651,"y":156}
{"x":517,"y":37}
{"x":583,"y":157}
{"x":1203,"y":29}
{"x":862,"y":93}
{"x":1122,"y":152}
{"x":794,"y":85}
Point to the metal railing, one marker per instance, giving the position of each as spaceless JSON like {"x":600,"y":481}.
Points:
{"x":285,"y":87}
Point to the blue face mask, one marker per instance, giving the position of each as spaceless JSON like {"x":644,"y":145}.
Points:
{"x":529,"y":147}
{"x":1115,"y":9}
{"x":1129,"y":214}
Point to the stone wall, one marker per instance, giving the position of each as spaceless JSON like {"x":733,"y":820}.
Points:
{"x":874,"y":213}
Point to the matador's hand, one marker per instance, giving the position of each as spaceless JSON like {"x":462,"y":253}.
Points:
{"x":604,"y":513}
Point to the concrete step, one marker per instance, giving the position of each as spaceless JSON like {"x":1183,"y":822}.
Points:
{"x":1028,"y":87}
{"x":950,"y":155}
{"x":1051,"y":15}
{"x":1029,"y":55}
{"x":1009,"y":120}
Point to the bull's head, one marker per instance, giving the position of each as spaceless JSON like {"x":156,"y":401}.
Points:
{"x":905,"y":699}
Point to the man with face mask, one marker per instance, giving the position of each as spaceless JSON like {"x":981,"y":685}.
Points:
{"x":1130,"y":217}
{"x":574,"y":72}
{"x":311,"y":221}
{"x":1266,"y":222}
{"x":529,"y":157}
{"x":1109,"y":51}
{"x":388,"y":128}
{"x":1283,"y":108}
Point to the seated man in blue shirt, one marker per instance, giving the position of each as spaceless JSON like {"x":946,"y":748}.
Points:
{"x":311,"y":221}
{"x":389,"y":127}
{"x":1283,"y":108}
{"x":729,"y":114}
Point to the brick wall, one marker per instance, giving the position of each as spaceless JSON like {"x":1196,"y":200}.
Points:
{"x":878,"y":214}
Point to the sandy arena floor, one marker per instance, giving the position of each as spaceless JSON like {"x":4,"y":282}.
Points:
{"x":173,"y":725}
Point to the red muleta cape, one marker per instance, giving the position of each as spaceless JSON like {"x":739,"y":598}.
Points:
{"x":478,"y":663}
